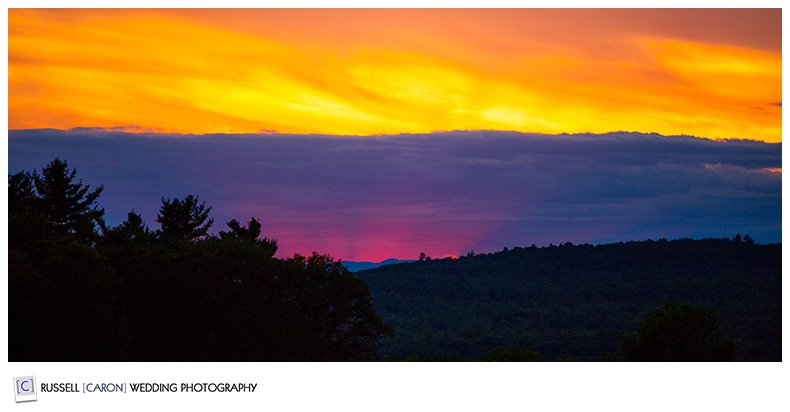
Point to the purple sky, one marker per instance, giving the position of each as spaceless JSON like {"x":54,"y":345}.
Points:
{"x":371,"y":198}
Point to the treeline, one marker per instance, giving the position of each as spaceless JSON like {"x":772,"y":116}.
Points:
{"x":584,"y":302}
{"x":82,"y":291}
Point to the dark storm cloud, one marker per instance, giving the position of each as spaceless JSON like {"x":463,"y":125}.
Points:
{"x":489,"y":189}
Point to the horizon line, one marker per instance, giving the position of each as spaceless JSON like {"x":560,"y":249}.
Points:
{"x":139,"y":130}
{"x":551,"y":244}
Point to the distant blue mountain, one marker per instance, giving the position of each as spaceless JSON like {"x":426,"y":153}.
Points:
{"x":357,"y":266}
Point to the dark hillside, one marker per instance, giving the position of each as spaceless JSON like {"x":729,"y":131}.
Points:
{"x":577,"y":300}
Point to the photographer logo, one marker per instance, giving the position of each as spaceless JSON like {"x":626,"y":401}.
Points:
{"x":25,"y":388}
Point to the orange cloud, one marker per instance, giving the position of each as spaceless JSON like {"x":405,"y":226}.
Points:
{"x":389,"y":71}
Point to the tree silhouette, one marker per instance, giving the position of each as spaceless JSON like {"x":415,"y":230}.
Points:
{"x":21,"y":192}
{"x":175,"y":295}
{"x":251,"y":232}
{"x":184,"y":219}
{"x":133,"y":229}
{"x":68,"y":205}
{"x":66,"y":301}
{"x":329,"y":311}
{"x":26,"y":222}
{"x":678,"y":332}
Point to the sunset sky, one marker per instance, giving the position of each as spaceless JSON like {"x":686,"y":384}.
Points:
{"x":709,"y":73}
{"x":370,"y":134}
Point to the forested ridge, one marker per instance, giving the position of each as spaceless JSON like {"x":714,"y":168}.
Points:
{"x":577,"y":301}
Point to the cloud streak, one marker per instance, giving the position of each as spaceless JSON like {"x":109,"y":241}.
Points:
{"x":374,"y":197}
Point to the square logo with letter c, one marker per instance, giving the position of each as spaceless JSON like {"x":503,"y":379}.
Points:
{"x":25,"y":388}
